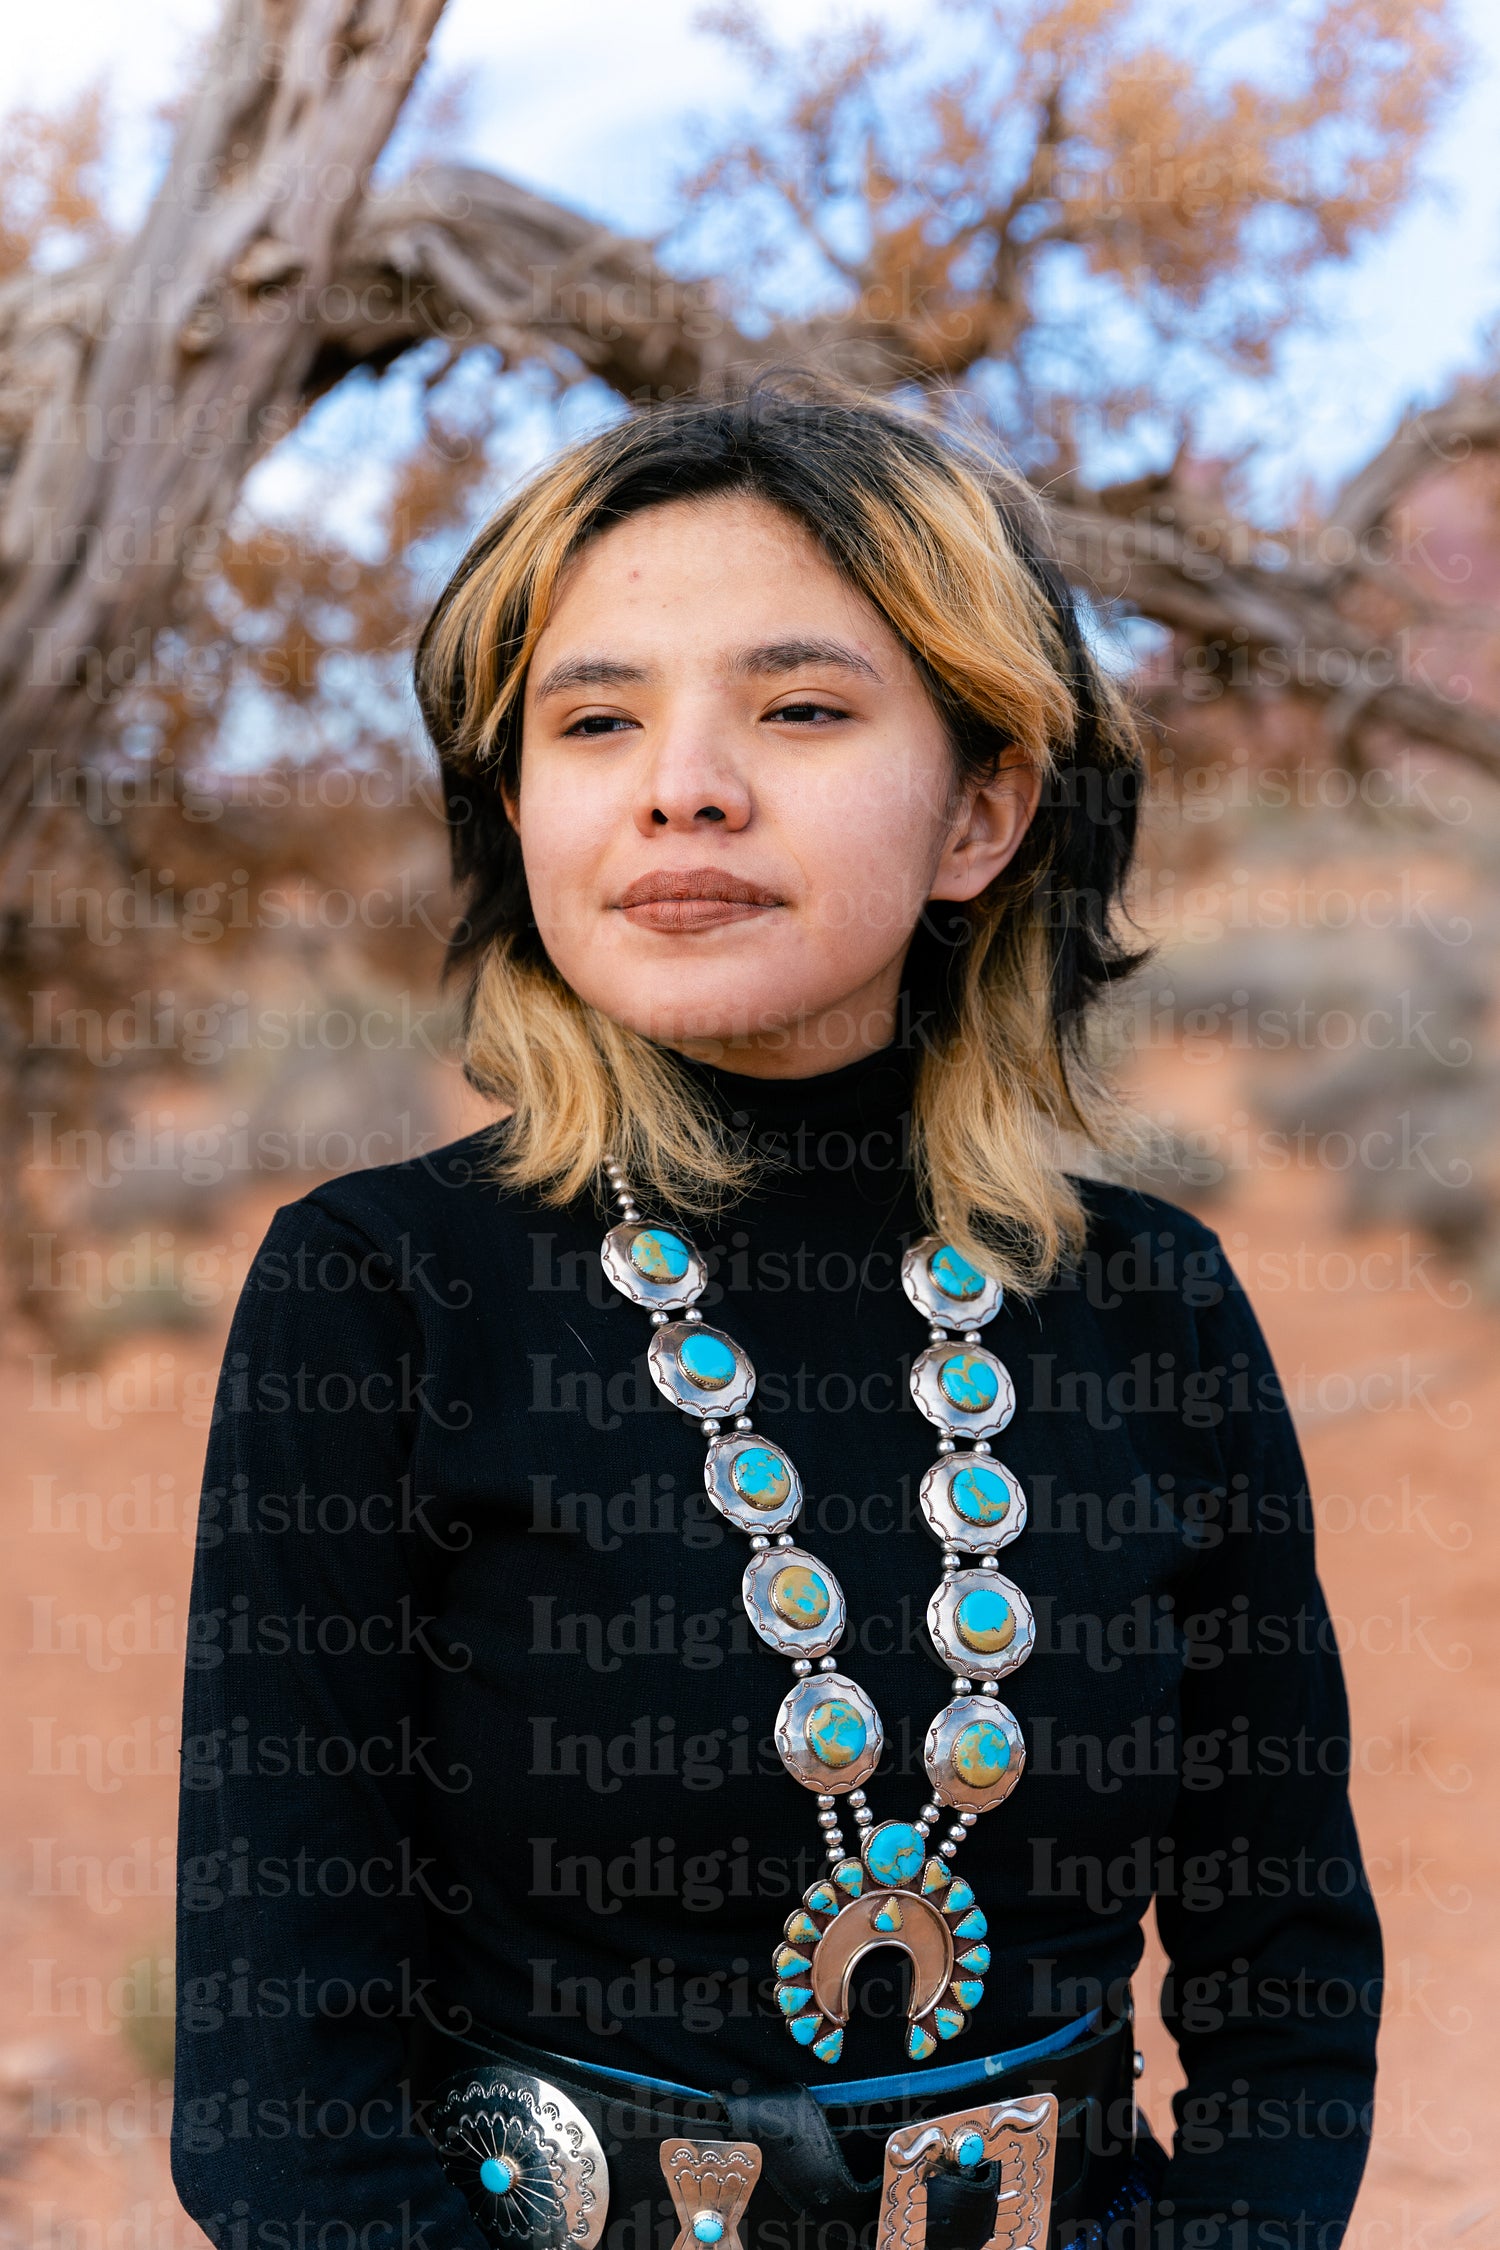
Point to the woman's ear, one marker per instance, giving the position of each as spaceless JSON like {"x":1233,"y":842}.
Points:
{"x":992,"y":818}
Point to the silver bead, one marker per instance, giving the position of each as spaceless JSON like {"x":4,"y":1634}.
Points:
{"x":983,"y":1445}
{"x":836,"y":1851}
{"x":825,"y":1800}
{"x":968,"y":1819}
{"x":785,"y":1539}
{"x":989,"y":1562}
{"x":828,"y":1820}
{"x":951,"y":1560}
{"x":922,"y":1829}
{"x":972,"y":1336}
{"x":963,"y":1687}
{"x":710,"y":1427}
{"x":856,"y":1798}
{"x":947,"y":1849}
{"x":937,"y":1335}
{"x":692,"y":1313}
{"x":660,"y":1319}
{"x":863,"y":1817}
{"x":630,"y":1215}
{"x":759,"y":1543}
{"x":991,"y":1687}
{"x":930,"y":1813}
{"x":828,"y":1663}
{"x":946,"y":1445}
{"x":802,"y":1665}
{"x":743,"y":1422}
{"x":957,"y":1832}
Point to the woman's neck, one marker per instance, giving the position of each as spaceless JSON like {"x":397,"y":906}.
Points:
{"x":815,"y":1045}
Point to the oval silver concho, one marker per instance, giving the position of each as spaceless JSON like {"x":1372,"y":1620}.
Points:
{"x":794,"y":1602}
{"x":753,"y":1483}
{"x":525,"y":2158}
{"x":942,"y":1375}
{"x":984,"y":1514}
{"x":925,"y":1267}
{"x":981,"y":1624}
{"x":653,"y":1266}
{"x":829,"y":1733}
{"x":974,"y":1754}
{"x":701,"y":1398}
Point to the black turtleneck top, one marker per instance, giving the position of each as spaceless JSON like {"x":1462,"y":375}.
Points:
{"x":474,"y":1714}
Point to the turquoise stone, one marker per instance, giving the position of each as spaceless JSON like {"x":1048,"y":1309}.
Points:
{"x":980,"y":1496}
{"x":934,"y":1877}
{"x":829,"y":2047}
{"x":791,"y":1963}
{"x":972,"y":1925}
{"x":804,"y":2029}
{"x":791,"y":1999}
{"x":799,"y":1597}
{"x":760,"y":1477}
{"x":920,"y":2043}
{"x":658,"y":1255}
{"x":970,"y":1992}
{"x":496,"y":2175}
{"x":969,"y":2149}
{"x":969,"y":1382}
{"x":706,"y":1360}
{"x":822,"y":1900}
{"x":836,"y":1732}
{"x":894,"y":1852}
{"x":802,"y":1929}
{"x":949,"y":2021}
{"x":850,"y":1877}
{"x":986,"y":1623}
{"x":887,"y":1917}
{"x":980,"y":1756}
{"x":959,"y":1897}
{"x":976,"y":1958}
{"x":708,"y":2227}
{"x":954,"y":1275}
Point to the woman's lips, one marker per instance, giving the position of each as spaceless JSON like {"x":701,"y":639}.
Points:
{"x":694,"y":898}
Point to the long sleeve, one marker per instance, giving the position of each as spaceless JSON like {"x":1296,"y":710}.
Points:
{"x":1263,"y":1905}
{"x":300,"y":1923}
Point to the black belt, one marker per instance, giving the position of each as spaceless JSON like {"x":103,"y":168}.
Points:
{"x":820,"y":2175}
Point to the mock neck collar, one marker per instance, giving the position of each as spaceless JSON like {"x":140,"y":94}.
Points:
{"x":845,"y":1130}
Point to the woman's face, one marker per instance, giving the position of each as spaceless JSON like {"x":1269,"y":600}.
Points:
{"x":736,"y":794}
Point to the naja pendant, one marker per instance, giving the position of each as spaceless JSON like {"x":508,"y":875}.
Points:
{"x":891,"y":1895}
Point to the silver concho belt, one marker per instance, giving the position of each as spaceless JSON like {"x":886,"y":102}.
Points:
{"x":533,"y":2173}
{"x":526,"y":2158}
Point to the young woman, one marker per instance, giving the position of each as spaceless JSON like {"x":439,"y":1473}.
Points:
{"x":723,"y":1598}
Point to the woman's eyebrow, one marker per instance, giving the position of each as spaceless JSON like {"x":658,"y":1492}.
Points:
{"x":765,"y":658}
{"x":589,"y":671}
{"x":790,"y":656}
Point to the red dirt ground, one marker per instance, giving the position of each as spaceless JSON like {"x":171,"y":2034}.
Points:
{"x":1395,"y":1379}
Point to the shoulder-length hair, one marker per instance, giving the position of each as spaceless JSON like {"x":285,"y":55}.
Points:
{"x":948,"y":545}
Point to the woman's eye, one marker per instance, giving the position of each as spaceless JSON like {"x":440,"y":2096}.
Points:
{"x":598,"y":722}
{"x":805,"y":712}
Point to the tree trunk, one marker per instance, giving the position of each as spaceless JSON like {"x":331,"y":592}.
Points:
{"x":137,"y":394}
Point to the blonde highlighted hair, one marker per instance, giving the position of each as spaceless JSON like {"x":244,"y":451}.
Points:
{"x":948,"y":546}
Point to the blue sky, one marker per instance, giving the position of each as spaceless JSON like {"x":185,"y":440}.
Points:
{"x":600,"y":104}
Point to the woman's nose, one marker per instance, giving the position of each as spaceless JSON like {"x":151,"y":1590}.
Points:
{"x":690,"y":784}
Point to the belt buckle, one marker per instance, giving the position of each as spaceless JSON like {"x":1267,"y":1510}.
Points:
{"x":1020,"y":2136}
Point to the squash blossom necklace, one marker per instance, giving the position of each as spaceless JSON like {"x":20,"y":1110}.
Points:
{"x":890,"y":1891}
